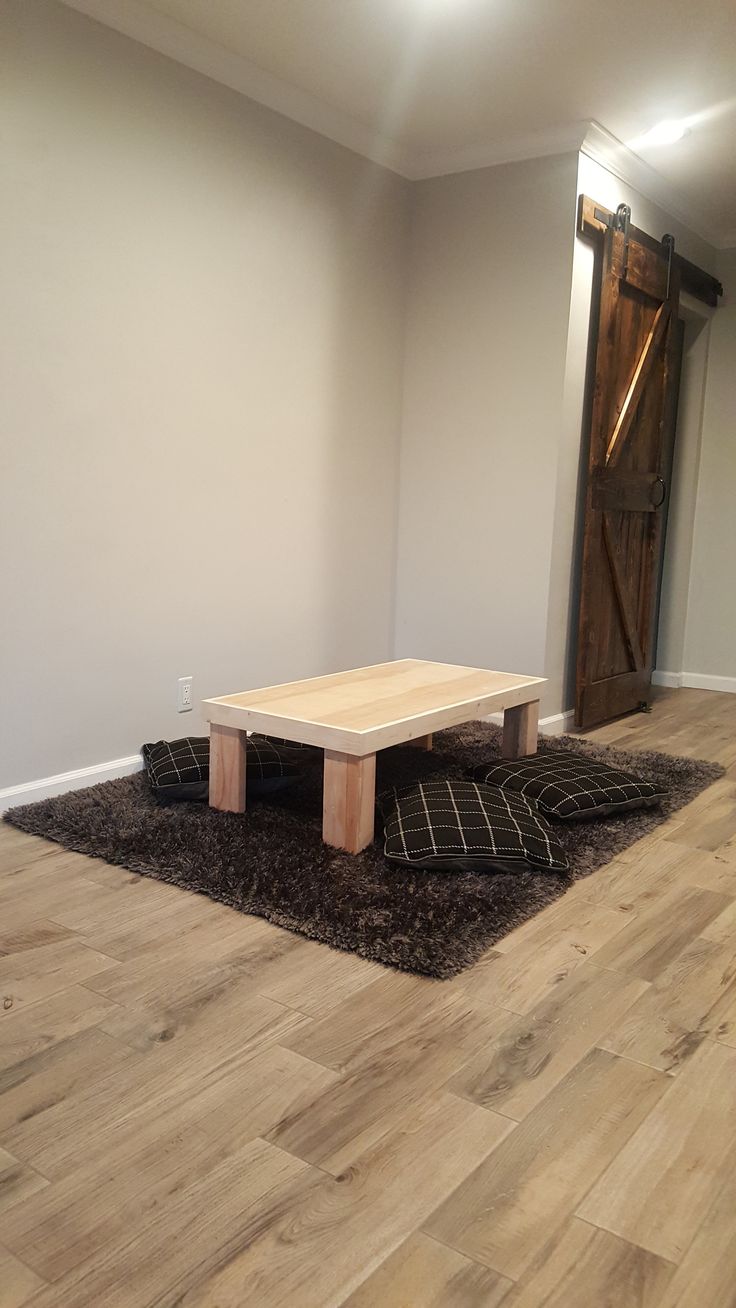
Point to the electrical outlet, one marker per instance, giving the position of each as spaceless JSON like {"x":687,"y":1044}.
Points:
{"x":184,"y":695}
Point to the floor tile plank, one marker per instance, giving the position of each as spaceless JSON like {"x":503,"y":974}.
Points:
{"x":713,"y":823}
{"x":18,"y":1282}
{"x":99,"y":1203}
{"x":53,"y":1074}
{"x":17,"y":1182}
{"x":199,"y":1228}
{"x":533,"y":1054}
{"x":32,"y":936}
{"x":693,"y":998}
{"x":172,"y":1086}
{"x":39,"y":971}
{"x":659,"y":1188}
{"x":35,"y":1027}
{"x":387,"y":1067}
{"x":348,"y":1226}
{"x":660,"y":932}
{"x":512,"y":1204}
{"x":707,"y":1273}
{"x":589,"y":1268}
{"x":425,"y":1274}
{"x":528,"y":965}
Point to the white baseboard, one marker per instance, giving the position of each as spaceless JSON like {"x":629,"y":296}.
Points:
{"x":558,"y":723}
{"x":552,"y":726}
{"x":47,"y":787}
{"x":671,"y":679}
{"x":704,"y":681}
{"x":695,"y":681}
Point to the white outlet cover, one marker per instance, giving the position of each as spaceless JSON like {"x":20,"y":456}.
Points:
{"x":184,"y":695}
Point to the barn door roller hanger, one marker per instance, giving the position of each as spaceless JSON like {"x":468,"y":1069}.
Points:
{"x":620,"y":221}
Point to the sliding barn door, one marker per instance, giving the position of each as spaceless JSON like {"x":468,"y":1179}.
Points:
{"x":636,"y":373}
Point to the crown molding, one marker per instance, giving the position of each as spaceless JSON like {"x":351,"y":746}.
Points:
{"x":137,"y":20}
{"x":142,"y":23}
{"x":513,"y":149}
{"x":605,"y":148}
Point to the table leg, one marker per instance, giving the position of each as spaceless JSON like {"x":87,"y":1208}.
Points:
{"x":421,"y":742}
{"x":520,"y":727}
{"x":227,"y":768}
{"x":349,"y":800}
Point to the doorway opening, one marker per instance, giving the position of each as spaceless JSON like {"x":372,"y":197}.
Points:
{"x":640,"y":341}
{"x":674,"y":588}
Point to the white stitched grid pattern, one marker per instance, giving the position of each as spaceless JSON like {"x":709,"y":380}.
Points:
{"x":434,"y":823}
{"x":187,"y":761}
{"x":568,"y":785}
{"x":265,"y":760}
{"x":280,"y":742}
{"x":177,"y":762}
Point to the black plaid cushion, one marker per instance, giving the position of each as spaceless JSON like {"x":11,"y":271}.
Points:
{"x":180,"y":769}
{"x":267,"y":761}
{"x":467,"y":826}
{"x":302,"y":753}
{"x":570,"y":787}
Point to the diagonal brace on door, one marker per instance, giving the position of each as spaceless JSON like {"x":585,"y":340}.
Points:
{"x":638,"y":382}
{"x":628,"y":616}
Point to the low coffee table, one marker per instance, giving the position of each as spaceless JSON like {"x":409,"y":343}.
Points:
{"x":351,"y":715}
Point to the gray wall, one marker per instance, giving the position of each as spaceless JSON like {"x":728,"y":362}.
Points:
{"x":489,"y":294}
{"x":710,"y":635}
{"x":202,"y":336}
{"x":673,"y":619}
{"x":214,"y":325}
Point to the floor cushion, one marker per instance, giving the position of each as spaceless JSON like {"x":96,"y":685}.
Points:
{"x":570,"y":787}
{"x":180,"y":769}
{"x":303,"y":753}
{"x":467,"y":826}
{"x":270,"y":767}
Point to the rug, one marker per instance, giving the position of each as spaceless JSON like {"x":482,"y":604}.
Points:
{"x":272,"y":862}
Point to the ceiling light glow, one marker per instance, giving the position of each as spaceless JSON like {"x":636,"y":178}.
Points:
{"x":665,"y":133}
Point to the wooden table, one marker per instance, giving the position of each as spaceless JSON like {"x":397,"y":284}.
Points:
{"x":351,"y":715}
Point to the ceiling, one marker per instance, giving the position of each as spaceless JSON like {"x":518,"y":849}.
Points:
{"x":433,"y":86}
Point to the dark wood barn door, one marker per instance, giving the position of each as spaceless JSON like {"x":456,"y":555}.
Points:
{"x":633,"y":411}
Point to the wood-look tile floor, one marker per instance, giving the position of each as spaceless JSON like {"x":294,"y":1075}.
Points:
{"x":200,"y":1109}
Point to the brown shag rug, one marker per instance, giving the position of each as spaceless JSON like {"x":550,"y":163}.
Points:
{"x":272,"y":862}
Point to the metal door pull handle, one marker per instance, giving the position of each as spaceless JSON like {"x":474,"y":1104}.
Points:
{"x":659,"y":481}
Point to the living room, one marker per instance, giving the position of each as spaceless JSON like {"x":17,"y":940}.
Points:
{"x":303,"y":375}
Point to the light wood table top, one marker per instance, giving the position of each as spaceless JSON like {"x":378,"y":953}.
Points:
{"x":367,"y":709}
